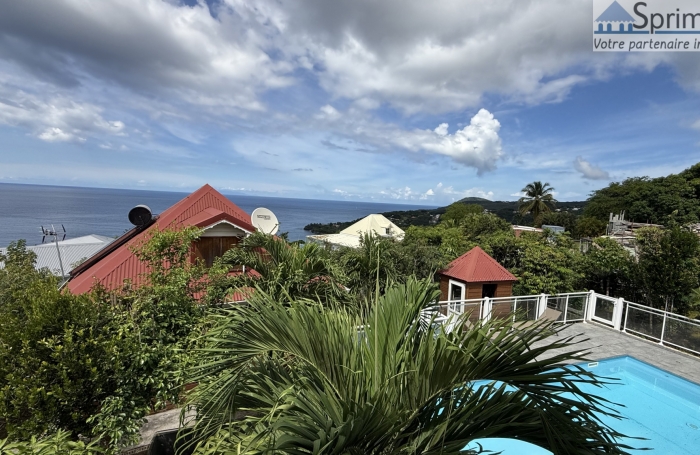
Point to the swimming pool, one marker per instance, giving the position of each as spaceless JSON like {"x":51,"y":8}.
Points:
{"x":659,"y":406}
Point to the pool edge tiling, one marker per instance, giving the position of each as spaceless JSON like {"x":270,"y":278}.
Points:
{"x":604,"y":343}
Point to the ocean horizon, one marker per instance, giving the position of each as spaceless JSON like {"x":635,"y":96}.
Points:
{"x":24,"y":208}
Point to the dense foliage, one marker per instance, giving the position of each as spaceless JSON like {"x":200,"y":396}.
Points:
{"x":675,"y":197}
{"x":95,"y":364}
{"x":282,"y":269}
{"x":59,"y":443}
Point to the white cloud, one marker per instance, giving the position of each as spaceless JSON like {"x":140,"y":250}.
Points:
{"x":328,"y":112}
{"x":162,"y":47}
{"x":399,"y":193}
{"x":441,"y":130}
{"x":57,"y":119}
{"x":413,"y":56}
{"x":590,"y":171}
{"x":476,"y":145}
{"x":57,"y":135}
{"x":419,"y":56}
{"x":449,"y":193}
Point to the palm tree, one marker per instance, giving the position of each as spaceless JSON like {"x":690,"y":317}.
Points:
{"x":538,"y":200}
{"x":284,"y":270}
{"x":374,"y":260}
{"x":307,"y":378}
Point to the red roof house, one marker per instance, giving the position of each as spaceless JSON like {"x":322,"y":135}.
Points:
{"x":475,"y":275}
{"x":222,"y":221}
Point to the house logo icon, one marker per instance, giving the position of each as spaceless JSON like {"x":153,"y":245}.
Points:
{"x":615,"y":20}
{"x":646,"y":25}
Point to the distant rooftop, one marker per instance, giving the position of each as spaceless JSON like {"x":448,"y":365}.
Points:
{"x":72,"y":252}
{"x":475,"y":266}
{"x":350,"y":236}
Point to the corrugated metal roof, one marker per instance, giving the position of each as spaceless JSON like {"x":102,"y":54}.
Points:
{"x":202,"y":208}
{"x":73,"y":252}
{"x":475,"y":266}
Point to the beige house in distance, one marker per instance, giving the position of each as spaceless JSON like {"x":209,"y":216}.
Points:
{"x":350,"y":236}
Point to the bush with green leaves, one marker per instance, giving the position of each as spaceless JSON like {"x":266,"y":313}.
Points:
{"x":608,"y":268}
{"x":587,"y":226}
{"x":55,"y":364}
{"x":59,"y":443}
{"x":96,"y":364}
{"x":286,"y":270}
{"x":383,"y":260}
{"x":667,"y":266}
{"x":542,"y":263}
{"x":457,"y":211}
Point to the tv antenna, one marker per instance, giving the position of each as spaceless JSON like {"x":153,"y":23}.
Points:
{"x":52,"y":233}
{"x":265,"y":221}
{"x":55,"y":234}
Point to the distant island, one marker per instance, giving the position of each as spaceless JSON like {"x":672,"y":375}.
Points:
{"x":508,"y":210}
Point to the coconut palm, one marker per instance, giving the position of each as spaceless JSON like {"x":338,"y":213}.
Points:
{"x":307,"y":378}
{"x":538,"y":200}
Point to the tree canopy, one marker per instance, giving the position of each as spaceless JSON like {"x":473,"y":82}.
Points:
{"x":675,"y":197}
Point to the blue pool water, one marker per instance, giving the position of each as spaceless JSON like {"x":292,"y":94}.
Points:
{"x":658,"y":405}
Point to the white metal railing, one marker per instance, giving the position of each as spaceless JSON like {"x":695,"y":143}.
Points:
{"x":668,"y":329}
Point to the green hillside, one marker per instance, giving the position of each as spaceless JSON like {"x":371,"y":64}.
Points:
{"x":508,"y":210}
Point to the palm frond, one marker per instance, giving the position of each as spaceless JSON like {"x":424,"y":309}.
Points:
{"x":298,"y":377}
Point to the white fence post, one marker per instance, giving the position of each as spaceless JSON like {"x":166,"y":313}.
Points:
{"x":541,"y":305}
{"x":486,"y":309}
{"x":663,"y":329}
{"x":617,"y":313}
{"x":590,"y":307}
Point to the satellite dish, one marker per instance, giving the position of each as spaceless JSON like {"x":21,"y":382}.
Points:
{"x":140,"y":215}
{"x":265,"y":221}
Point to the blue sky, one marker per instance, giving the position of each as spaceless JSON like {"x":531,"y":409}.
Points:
{"x":415,"y":102}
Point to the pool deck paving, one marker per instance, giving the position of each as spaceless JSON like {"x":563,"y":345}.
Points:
{"x":603,"y":343}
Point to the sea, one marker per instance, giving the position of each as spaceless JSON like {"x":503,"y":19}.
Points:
{"x":24,"y":209}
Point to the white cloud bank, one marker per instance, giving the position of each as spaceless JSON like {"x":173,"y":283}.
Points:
{"x":590,"y":171}
{"x":56,"y":119}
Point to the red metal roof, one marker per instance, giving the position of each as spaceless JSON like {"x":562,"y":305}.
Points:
{"x":475,"y":266}
{"x":202,"y":208}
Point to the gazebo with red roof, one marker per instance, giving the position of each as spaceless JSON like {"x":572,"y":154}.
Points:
{"x":223,"y":224}
{"x":475,"y":275}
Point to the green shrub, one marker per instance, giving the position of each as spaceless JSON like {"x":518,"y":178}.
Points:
{"x":57,"y":444}
{"x":96,"y":364}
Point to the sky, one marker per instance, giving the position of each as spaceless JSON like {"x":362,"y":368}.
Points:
{"x":392,"y":101}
